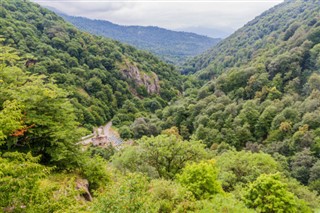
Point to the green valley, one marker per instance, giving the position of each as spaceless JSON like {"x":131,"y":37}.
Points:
{"x":239,"y":132}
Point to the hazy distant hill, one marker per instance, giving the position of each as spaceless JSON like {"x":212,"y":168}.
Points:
{"x":172,"y":46}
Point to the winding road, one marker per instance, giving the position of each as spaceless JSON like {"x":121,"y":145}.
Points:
{"x":102,"y":131}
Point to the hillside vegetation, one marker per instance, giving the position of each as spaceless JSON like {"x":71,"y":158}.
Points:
{"x":171,"y":46}
{"x":261,"y":90}
{"x":244,"y":137}
{"x":275,"y":32}
{"x":100,"y":75}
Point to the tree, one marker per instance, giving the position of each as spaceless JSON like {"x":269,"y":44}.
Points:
{"x":10,"y":120}
{"x":269,"y":194}
{"x":314,"y":81}
{"x":301,"y":164}
{"x":19,"y":174}
{"x":315,"y":171}
{"x":152,"y":105}
{"x":162,"y":156}
{"x":314,"y":180}
{"x":125,"y":132}
{"x":303,"y":192}
{"x":167,"y":196}
{"x":264,"y":122}
{"x":221,"y":203}
{"x":240,"y":168}
{"x":129,"y":194}
{"x":143,"y":127}
{"x":104,"y":152}
{"x":201,"y":179}
{"x":249,"y":114}
{"x":133,"y":159}
{"x":169,"y":154}
{"x":35,"y":115}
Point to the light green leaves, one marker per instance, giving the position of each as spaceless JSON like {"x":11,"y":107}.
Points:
{"x":10,"y":120}
{"x":269,"y":194}
{"x":201,"y":179}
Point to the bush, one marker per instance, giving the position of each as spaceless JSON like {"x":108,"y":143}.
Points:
{"x":269,"y":194}
{"x":128,"y":194}
{"x":95,"y":170}
{"x":125,"y":132}
{"x":240,"y":168}
{"x":167,"y":195}
{"x":201,"y":179}
{"x":19,"y":174}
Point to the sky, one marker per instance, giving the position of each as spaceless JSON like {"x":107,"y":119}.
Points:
{"x":214,"y":18}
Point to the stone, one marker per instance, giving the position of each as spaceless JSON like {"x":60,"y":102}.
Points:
{"x":149,"y":81}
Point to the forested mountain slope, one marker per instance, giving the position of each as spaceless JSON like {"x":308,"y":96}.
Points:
{"x":171,"y":46}
{"x":275,"y":31}
{"x":99,"y":74}
{"x":262,"y":91}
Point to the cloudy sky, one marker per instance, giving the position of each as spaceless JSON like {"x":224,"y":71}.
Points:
{"x":215,"y":18}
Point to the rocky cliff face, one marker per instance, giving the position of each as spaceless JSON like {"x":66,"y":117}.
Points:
{"x":149,"y":81}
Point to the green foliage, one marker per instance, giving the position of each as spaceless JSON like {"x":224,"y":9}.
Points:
{"x":27,"y":186}
{"x":269,"y":194}
{"x":169,"y":196}
{"x":301,"y":164}
{"x":154,"y":39}
{"x":128,"y":195}
{"x":134,"y":193}
{"x":58,"y":193}
{"x":95,"y":171}
{"x":168,"y":154}
{"x":221,"y":203}
{"x":92,"y":69}
{"x":258,"y":86}
{"x":162,"y":156}
{"x":241,"y":168}
{"x":35,"y":115}
{"x":201,"y":179}
{"x":19,"y":174}
{"x":104,"y":152}
{"x":132,"y":158}
{"x":258,"y":92}
{"x":10,"y":119}
{"x":304,"y":193}
{"x":315,"y":171}
{"x":275,"y":31}
{"x":315,"y":185}
{"x":144,"y":127}
{"x":125,"y":132}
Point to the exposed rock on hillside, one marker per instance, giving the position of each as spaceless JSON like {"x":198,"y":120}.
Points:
{"x":83,"y":186}
{"x":150,"y":81}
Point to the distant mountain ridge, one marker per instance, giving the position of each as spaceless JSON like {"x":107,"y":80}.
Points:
{"x":257,"y":36}
{"x":172,"y":46}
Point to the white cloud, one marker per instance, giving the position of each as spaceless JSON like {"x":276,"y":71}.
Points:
{"x":217,"y":15}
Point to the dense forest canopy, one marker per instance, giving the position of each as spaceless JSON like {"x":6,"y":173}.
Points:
{"x":260,"y":90}
{"x":241,"y":134}
{"x":274,"y":32}
{"x":99,"y":74}
{"x":265,"y":95}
